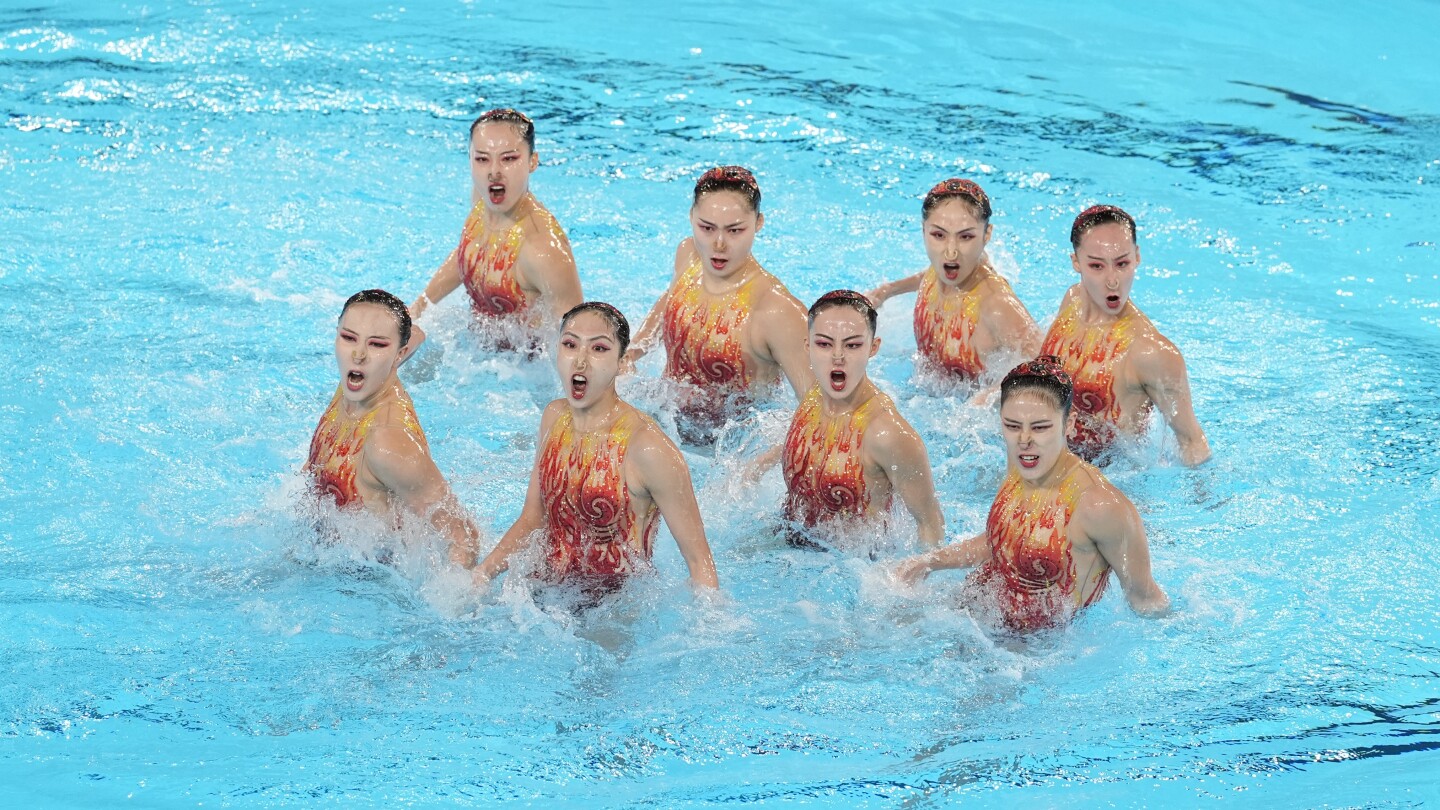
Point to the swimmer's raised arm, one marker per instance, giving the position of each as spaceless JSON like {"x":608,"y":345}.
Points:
{"x":649,"y":332}
{"x":781,"y":335}
{"x":1112,"y":524}
{"x":444,"y":282}
{"x":898,"y":450}
{"x":1161,"y":370}
{"x":967,"y":553}
{"x":666,"y":479}
{"x":405,"y":468}
{"x":547,"y":263}
{"x":890,"y":289}
{"x":532,"y":514}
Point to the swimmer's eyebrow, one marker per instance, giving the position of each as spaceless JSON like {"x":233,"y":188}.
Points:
{"x":590,"y":339}
{"x":842,"y":340}
{"x":1124,"y":255}
{"x":717,"y":225}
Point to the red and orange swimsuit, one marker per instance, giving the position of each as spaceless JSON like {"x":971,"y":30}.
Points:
{"x":487,"y":264}
{"x":945,"y":326}
{"x":823,"y":466}
{"x":335,"y":448}
{"x":591,"y":536}
{"x":703,"y":347}
{"x":1091,"y":356}
{"x":1031,"y":576}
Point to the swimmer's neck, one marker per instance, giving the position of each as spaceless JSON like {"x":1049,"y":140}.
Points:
{"x":598,"y":415}
{"x":717,"y":286}
{"x":831,"y":407}
{"x":524,"y":208}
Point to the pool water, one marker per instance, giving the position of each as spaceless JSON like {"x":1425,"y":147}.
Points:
{"x":192,"y":190}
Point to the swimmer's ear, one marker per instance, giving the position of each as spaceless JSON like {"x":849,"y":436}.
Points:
{"x":759,"y":221}
{"x":1075,"y":261}
{"x":534,"y":160}
{"x":989,"y":229}
{"x":1137,"y":258}
{"x":1070,"y":422}
{"x":874,"y":346}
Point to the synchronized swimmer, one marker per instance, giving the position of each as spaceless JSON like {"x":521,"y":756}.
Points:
{"x":605,"y":473}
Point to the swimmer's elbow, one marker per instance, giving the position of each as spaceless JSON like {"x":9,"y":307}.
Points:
{"x":1152,"y":604}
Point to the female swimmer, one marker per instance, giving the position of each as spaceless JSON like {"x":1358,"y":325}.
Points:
{"x":730,"y":329}
{"x":1121,"y":364}
{"x":1056,"y":527}
{"x":368,"y":450}
{"x":603,"y":475}
{"x":513,"y":258}
{"x":848,"y":449}
{"x":966,"y":315}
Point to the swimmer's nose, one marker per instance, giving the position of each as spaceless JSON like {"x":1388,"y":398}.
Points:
{"x":952,"y":252}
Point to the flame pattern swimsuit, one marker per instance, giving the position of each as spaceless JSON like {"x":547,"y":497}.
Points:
{"x":335,"y":448}
{"x":591,"y":534}
{"x":487,"y":263}
{"x":823,"y":466}
{"x":945,"y":325}
{"x":1031,"y":575}
{"x":703,"y":347}
{"x":1091,"y":356}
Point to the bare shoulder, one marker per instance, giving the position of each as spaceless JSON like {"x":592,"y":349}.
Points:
{"x":550,"y":414}
{"x":775,"y":299}
{"x":684,"y":254}
{"x":1102,"y":507}
{"x":1154,"y":354}
{"x":654,"y":452}
{"x":545,"y":241}
{"x":889,"y":434}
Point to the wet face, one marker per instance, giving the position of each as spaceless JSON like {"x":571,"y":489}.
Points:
{"x":955,"y":239}
{"x":500,"y":165}
{"x":367,"y":350}
{"x":724,"y":225}
{"x":588,"y":359}
{"x":1034,"y":429}
{"x":1106,"y":261}
{"x":841,"y":346}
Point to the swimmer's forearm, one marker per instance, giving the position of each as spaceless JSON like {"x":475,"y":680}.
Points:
{"x":967,"y":553}
{"x":444,"y":282}
{"x":890,"y":289}
{"x":1194,"y":451}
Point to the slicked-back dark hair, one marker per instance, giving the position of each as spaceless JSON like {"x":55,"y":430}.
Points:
{"x":1097,"y":215}
{"x":388,"y":301}
{"x":843,"y":298}
{"x":508,"y":116}
{"x":729,"y":178}
{"x":612,"y":316}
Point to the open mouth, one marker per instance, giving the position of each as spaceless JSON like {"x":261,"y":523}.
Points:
{"x":1112,"y":301}
{"x":354,"y":380}
{"x":951,"y":269}
{"x":718,"y":263}
{"x":497,"y":193}
{"x":578,"y":384}
{"x":1028,"y":461}
{"x":837,"y":380}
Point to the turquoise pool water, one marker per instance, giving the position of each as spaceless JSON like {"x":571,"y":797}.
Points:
{"x":191,"y":191}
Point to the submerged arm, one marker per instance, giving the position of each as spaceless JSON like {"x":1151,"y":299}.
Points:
{"x":783,"y":336}
{"x":665,"y":476}
{"x":965,"y":554}
{"x":403,"y":466}
{"x":900,"y":453}
{"x":1113,"y":525}
{"x":550,"y":267}
{"x":1162,"y":373}
{"x":532,"y":516}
